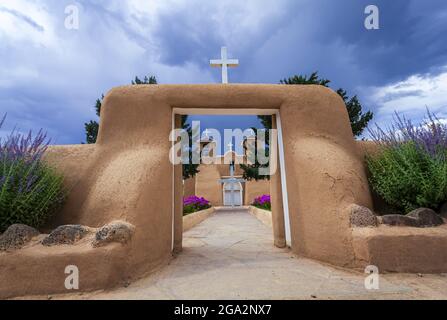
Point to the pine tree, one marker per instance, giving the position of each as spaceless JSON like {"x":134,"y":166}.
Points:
{"x":189,"y":169}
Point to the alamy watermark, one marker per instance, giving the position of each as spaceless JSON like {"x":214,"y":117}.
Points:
{"x":72,"y":280}
{"x":372,"y":280}
{"x":372,"y":20}
{"x":72,"y":17}
{"x":189,"y":148}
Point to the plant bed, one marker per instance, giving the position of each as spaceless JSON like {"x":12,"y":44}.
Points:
{"x":409,"y":169}
{"x":419,"y":218}
{"x":265,"y":216}
{"x":262,"y":202}
{"x":193,"y":219}
{"x":30,"y":190}
{"x":193,"y":204}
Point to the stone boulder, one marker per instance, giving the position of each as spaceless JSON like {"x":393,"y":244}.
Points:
{"x":116,"y":231}
{"x":67,"y":234}
{"x":17,"y":236}
{"x":362,"y":217}
{"x":399,"y":220}
{"x":426,"y":217}
{"x":420,"y":218}
{"x":443,"y":211}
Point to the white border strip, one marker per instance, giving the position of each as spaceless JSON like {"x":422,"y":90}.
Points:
{"x":282,"y":167}
{"x":173,"y":186}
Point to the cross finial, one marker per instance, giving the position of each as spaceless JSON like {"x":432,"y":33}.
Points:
{"x":224,"y":63}
{"x":230,"y":146}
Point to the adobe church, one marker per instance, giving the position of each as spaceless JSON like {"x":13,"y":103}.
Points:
{"x":222,"y":183}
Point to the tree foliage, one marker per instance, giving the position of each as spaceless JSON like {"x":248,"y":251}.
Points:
{"x":251,"y":171}
{"x":146,"y":80}
{"x":189,"y":169}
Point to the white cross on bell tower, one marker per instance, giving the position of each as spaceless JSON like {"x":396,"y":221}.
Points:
{"x":224,"y":63}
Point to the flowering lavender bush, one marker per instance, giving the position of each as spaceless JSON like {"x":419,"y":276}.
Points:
{"x":30,"y":191}
{"x":410,"y":171}
{"x":429,"y":136}
{"x":263,"y":202}
{"x":193,"y":203}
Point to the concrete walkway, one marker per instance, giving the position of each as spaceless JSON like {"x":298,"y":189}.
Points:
{"x":231,"y":256}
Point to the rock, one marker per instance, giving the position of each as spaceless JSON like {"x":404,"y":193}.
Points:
{"x":116,"y":231}
{"x":362,"y":217}
{"x":399,"y":220}
{"x":16,"y":236}
{"x":443,"y":211}
{"x":67,"y":234}
{"x":426,"y":217}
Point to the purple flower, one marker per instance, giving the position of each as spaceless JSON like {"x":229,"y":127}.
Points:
{"x":430,"y":135}
{"x":262,"y":201}
{"x":198,"y":202}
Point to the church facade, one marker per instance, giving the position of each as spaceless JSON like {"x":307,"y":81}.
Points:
{"x":217,"y":183}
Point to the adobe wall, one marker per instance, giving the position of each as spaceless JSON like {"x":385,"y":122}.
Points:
{"x":402,"y":249}
{"x":189,"y":187}
{"x":208,"y":185}
{"x":255,"y":189}
{"x":128,"y":175}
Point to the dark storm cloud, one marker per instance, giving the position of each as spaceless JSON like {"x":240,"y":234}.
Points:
{"x":319,"y":35}
{"x":52,"y":78}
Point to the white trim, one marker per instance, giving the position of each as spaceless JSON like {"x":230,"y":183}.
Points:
{"x":173,"y":186}
{"x":282,"y":166}
{"x":224,"y":111}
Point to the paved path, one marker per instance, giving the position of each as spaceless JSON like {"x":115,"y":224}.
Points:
{"x":230,"y":256}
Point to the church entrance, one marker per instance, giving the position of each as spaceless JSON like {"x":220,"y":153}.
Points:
{"x":220,"y":178}
{"x":232,"y":194}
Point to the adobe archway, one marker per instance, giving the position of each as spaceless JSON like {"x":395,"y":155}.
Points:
{"x":127,"y":175}
{"x":324,"y":172}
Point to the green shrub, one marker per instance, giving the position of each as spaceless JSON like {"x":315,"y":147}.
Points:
{"x":407,"y":178}
{"x":30,"y":191}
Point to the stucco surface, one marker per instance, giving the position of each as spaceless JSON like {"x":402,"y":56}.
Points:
{"x":128,"y":175}
{"x":189,"y":187}
{"x":255,"y":189}
{"x":231,"y":256}
{"x":402,"y":249}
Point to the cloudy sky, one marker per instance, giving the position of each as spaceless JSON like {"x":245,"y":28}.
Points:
{"x":50,"y":76}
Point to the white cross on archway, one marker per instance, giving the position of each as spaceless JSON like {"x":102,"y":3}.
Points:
{"x":224,"y":63}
